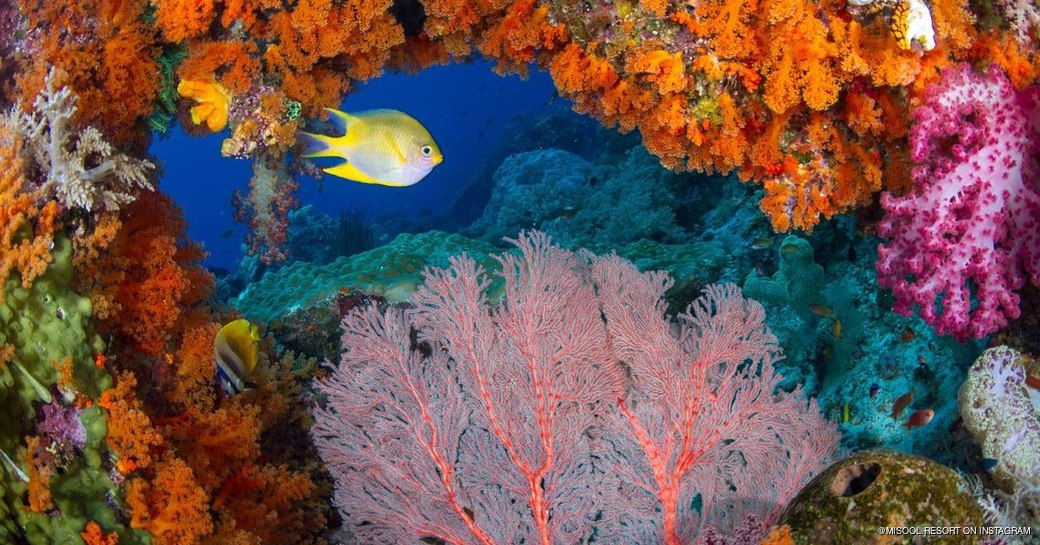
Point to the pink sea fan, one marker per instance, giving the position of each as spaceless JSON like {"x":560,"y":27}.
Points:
{"x":561,"y":413}
{"x":960,"y":245}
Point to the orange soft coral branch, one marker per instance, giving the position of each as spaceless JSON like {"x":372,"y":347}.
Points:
{"x":130,"y":431}
{"x":147,"y":274}
{"x":729,"y":26}
{"x":93,"y":535}
{"x":522,"y":30}
{"x":172,"y":507}
{"x":215,"y":443}
{"x":666,"y":71}
{"x":265,"y":501}
{"x":234,"y":63}
{"x":182,"y":19}
{"x":194,"y":386}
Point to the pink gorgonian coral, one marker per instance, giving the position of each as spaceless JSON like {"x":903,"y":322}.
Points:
{"x":961,"y":245}
{"x":574,"y":410}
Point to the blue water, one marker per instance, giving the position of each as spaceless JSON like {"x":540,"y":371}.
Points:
{"x":465,"y":107}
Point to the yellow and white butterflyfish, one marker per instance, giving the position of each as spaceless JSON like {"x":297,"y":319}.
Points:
{"x":384,"y":147}
{"x":235,"y":349}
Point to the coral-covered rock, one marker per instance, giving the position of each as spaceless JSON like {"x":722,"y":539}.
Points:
{"x":849,"y":501}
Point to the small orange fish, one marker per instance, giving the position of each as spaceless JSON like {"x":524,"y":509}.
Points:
{"x":901,"y":403}
{"x":762,"y":243}
{"x":1033,"y":382}
{"x":836,"y":330}
{"x":919,"y":418}
{"x":822,"y":310}
{"x":908,"y":335}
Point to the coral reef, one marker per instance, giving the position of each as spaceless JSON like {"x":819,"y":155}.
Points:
{"x":824,"y":104}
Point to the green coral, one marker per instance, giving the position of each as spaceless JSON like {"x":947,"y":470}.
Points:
{"x":849,"y":501}
{"x":393,"y":271}
{"x":166,"y":101}
{"x":48,"y":324}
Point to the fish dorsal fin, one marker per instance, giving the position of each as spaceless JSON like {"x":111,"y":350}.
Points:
{"x":350,"y":172}
{"x":341,"y":120}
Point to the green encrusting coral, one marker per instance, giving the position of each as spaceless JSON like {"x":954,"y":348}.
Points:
{"x":852,"y":499}
{"x":393,"y":271}
{"x":48,"y":327}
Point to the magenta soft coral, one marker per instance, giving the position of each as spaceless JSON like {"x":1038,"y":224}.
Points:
{"x":962,"y":243}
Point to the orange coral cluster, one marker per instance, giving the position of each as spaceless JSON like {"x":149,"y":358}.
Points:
{"x":26,"y":227}
{"x":798,"y":94}
{"x":104,"y":51}
{"x":179,"y":444}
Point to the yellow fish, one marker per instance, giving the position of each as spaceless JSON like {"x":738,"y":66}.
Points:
{"x":235,"y":349}
{"x":384,"y":147}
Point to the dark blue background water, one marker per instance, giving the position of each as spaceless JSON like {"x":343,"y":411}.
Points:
{"x":465,"y":107}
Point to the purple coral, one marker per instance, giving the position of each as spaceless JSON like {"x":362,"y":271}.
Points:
{"x":62,"y":424}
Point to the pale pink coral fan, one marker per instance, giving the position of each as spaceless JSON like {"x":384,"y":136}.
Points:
{"x":575,"y":407}
{"x":963,"y":241}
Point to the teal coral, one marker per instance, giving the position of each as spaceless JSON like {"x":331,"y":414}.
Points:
{"x":577,"y":201}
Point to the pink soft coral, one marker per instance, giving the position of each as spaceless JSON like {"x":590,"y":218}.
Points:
{"x":970,"y":232}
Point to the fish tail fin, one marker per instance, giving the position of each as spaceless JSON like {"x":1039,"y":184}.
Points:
{"x":317,"y":145}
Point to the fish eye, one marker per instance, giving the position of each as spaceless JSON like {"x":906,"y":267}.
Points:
{"x":426,"y":150}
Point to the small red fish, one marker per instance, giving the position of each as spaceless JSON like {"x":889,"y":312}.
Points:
{"x":901,"y":403}
{"x":1033,"y":382}
{"x":919,"y":418}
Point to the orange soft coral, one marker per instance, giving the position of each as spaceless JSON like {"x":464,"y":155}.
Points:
{"x":104,"y":51}
{"x":266,"y":502}
{"x":93,"y":535}
{"x":147,"y":273}
{"x":215,"y":443}
{"x":779,"y":536}
{"x":664,"y":70}
{"x":182,"y":19}
{"x":171,"y":506}
{"x":130,"y":432}
{"x":26,"y":228}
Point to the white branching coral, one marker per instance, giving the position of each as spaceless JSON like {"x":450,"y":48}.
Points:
{"x":79,"y":171}
{"x":1023,"y":16}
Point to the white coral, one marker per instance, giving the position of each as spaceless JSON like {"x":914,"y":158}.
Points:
{"x":112,"y":180}
{"x":1022,"y":15}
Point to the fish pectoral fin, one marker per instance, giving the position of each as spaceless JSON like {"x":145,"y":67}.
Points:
{"x":350,"y":172}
